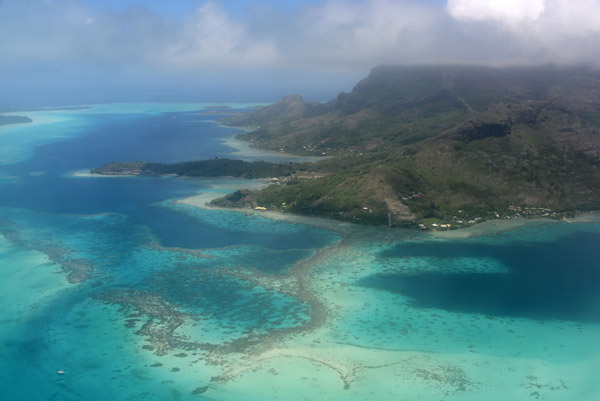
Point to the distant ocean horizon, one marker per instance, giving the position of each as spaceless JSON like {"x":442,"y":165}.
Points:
{"x":113,"y":290}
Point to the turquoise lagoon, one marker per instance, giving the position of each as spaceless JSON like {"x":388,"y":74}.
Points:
{"x":139,"y":297}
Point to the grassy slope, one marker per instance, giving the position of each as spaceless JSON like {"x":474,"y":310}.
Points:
{"x":459,"y":138}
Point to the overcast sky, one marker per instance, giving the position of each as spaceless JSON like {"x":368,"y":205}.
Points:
{"x":84,"y":51}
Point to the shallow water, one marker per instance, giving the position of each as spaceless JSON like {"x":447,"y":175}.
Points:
{"x":555,"y":280}
{"x":138,"y":297}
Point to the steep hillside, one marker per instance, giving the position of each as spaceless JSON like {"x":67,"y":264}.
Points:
{"x":396,"y":106}
{"x":418,"y":144}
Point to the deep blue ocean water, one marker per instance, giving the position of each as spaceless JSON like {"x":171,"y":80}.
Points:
{"x":128,"y":235}
{"x":167,"y":137}
{"x":98,"y":273}
{"x":545,"y":280}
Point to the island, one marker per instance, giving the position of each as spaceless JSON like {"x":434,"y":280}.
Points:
{"x":58,"y":108}
{"x":6,"y":120}
{"x":202,"y":168}
{"x":440,"y":146}
{"x":427,"y":147}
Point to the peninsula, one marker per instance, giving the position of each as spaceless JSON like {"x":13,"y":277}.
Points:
{"x":6,"y":120}
{"x":203,"y":168}
{"x":438,"y":147}
{"x":433,"y":145}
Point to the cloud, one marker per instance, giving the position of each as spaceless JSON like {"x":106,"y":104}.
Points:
{"x":357,"y":33}
{"x":349,"y":33}
{"x":579,"y":18}
{"x":332,"y":38}
{"x":502,"y":10}
{"x":209,"y":37}
{"x":335,"y":34}
{"x":72,"y":32}
{"x":551,"y":18}
{"x":560,"y":31}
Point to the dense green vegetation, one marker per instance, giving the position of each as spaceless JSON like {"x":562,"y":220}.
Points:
{"x":436,"y":146}
{"x":203,"y":168}
{"x":396,"y":106}
{"x":439,"y":144}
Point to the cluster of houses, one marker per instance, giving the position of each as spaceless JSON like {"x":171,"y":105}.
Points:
{"x":413,"y":196}
{"x":512,"y":212}
{"x":435,"y":226}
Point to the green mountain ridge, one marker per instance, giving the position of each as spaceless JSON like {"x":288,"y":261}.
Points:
{"x":439,"y":143}
{"x":403,"y":105}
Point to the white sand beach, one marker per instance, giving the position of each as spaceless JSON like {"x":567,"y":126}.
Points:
{"x":88,"y":174}
{"x":246,"y":151}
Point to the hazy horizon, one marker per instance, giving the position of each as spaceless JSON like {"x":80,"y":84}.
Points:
{"x":58,"y":52}
{"x":432,"y":236}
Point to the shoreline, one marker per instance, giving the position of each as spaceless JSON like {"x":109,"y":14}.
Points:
{"x":244,"y":149}
{"x":202,"y":200}
{"x":87,"y":174}
{"x":500,"y":225}
{"x":222,"y":188}
{"x":37,"y":118}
